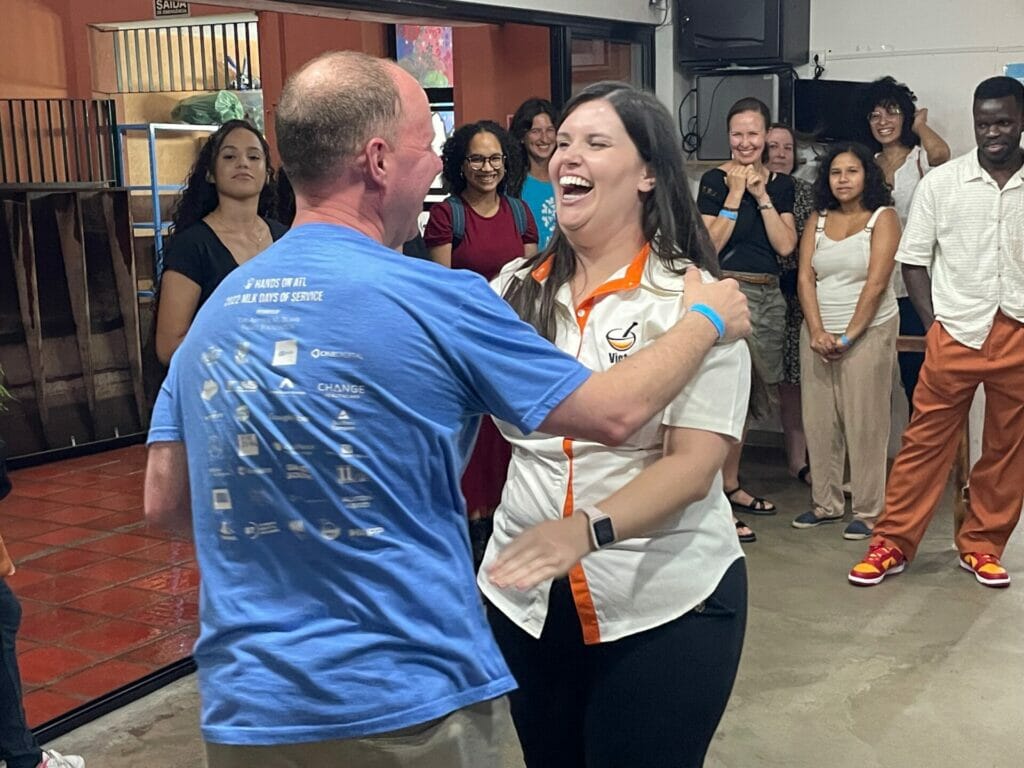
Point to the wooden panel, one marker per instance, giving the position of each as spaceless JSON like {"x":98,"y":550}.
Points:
{"x":69,"y":321}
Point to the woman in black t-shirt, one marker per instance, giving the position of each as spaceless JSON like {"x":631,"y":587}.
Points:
{"x":748,"y":211}
{"x":219,"y":222}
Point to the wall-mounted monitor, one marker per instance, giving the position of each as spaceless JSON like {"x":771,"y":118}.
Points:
{"x":831,"y":110}
{"x":752,"y":32}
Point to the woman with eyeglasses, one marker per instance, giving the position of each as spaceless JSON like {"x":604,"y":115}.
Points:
{"x":533,"y":128}
{"x":480,"y":228}
{"x":906,"y":148}
{"x":221,"y":221}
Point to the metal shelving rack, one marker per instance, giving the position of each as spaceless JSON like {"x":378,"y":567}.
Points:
{"x":157,"y":225}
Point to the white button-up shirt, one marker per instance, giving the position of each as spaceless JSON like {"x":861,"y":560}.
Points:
{"x":971,"y":233}
{"x":640,"y":583}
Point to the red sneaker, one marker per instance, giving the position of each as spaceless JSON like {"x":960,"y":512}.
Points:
{"x":879,"y":562}
{"x":986,"y":569}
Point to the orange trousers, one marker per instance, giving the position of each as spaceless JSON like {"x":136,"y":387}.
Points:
{"x":949,"y":378}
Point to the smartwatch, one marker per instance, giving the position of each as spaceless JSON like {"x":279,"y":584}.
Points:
{"x":602,"y":532}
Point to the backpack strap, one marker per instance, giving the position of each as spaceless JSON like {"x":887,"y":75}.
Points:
{"x":454,"y":203}
{"x":518,"y":213}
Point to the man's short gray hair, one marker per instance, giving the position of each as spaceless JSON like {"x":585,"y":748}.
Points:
{"x":329,"y":109}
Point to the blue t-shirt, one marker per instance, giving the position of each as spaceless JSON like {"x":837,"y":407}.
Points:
{"x":539,"y":196}
{"x":328,"y":395}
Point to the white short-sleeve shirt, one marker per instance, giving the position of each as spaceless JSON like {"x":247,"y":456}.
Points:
{"x":971,"y":234}
{"x":640,"y":583}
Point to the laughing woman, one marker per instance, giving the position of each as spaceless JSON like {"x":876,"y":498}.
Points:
{"x":480,"y":228}
{"x":616,"y":585}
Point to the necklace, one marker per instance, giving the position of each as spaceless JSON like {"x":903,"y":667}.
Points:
{"x":256,"y":236}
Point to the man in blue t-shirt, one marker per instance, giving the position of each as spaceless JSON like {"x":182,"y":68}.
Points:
{"x":312,"y":431}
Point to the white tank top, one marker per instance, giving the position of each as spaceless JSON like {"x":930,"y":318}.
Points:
{"x":841,"y":270}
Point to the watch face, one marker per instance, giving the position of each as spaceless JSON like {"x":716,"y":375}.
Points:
{"x":603,"y":531}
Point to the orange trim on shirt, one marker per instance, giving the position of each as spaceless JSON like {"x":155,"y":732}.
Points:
{"x":585,"y":608}
{"x":582,"y":596}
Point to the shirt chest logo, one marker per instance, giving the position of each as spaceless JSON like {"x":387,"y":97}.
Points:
{"x":621,"y":340}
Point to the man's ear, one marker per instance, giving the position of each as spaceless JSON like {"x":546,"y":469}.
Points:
{"x":376,"y":156}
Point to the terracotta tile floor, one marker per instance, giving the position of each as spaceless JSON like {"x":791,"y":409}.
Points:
{"x":105,"y":600}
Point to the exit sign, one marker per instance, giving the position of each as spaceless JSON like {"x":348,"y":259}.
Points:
{"x":169,"y":8}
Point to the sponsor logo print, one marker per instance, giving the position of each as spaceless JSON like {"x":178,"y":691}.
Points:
{"x":297,"y":472}
{"x":348,"y":474}
{"x":242,"y":352}
{"x":342,"y":421}
{"x":255,"y":530}
{"x":341,"y":390}
{"x":316,"y":354}
{"x":242,"y":413}
{"x":357,"y":502}
{"x":248,"y":445}
{"x":211,"y":355}
{"x":241,"y":385}
{"x":221,"y":498}
{"x":226,"y":532}
{"x":209,"y":390}
{"x":329,"y":530}
{"x":243,"y":471}
{"x":285,"y":353}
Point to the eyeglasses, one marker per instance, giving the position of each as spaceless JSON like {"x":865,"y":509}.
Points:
{"x":536,"y":133}
{"x":476,"y":162}
{"x":878,"y":114}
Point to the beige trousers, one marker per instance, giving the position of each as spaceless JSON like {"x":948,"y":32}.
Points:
{"x":846,"y":413}
{"x":478,"y":736}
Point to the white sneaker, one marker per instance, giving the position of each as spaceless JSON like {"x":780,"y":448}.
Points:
{"x":52,"y":759}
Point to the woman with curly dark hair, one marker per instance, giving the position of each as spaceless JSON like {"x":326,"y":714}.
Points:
{"x":221,"y":221}
{"x":848,"y":342}
{"x":481,"y":228}
{"x":906,"y":148}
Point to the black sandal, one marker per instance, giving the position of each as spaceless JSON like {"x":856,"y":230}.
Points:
{"x":745,"y":538}
{"x":758,"y":506}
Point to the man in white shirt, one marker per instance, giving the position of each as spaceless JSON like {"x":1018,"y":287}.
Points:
{"x":967,"y":226}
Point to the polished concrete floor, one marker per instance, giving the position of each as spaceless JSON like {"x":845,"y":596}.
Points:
{"x":925,"y":669}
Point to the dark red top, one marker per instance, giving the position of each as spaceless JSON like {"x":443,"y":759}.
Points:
{"x":488,"y":244}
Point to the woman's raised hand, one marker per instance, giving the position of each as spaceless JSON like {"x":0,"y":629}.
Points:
{"x":736,"y":176}
{"x":755,"y":183}
{"x":920,"y":119}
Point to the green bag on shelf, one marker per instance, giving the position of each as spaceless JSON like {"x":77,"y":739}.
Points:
{"x":209,"y":109}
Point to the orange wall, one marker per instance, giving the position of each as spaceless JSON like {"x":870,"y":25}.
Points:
{"x":287,"y":41}
{"x":497,"y":68}
{"x":46,"y":42}
{"x":32,"y":40}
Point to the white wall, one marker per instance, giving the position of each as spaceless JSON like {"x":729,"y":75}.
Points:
{"x":941,"y":48}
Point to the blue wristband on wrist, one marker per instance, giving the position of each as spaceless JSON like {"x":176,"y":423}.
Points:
{"x":728,"y":214}
{"x":712,"y":316}
{"x":844,"y":340}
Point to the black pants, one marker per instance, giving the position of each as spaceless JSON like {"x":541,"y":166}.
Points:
{"x":653,"y":699}
{"x":910,"y":362}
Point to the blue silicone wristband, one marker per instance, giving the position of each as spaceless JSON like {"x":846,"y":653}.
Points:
{"x":844,"y":340}
{"x":728,"y":214}
{"x":712,"y":316}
